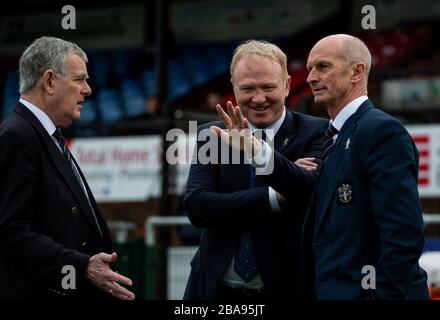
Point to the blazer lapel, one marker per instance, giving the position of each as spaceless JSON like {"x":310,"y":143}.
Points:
{"x":102,"y":223}
{"x":60,"y":162}
{"x":338,"y":163}
{"x":285,"y":134}
{"x":336,"y":167}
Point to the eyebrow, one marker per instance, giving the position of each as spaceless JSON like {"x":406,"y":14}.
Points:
{"x":319,"y":62}
{"x":81,"y":75}
{"x":268,"y":84}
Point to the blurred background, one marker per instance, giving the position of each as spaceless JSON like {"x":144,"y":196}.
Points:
{"x":157,"y":65}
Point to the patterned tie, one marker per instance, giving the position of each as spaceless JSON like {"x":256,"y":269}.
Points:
{"x":245,"y":264}
{"x":66,"y":152}
{"x":328,"y":140}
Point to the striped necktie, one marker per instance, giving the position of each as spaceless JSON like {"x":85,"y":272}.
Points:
{"x":66,"y":152}
{"x":328,"y":140}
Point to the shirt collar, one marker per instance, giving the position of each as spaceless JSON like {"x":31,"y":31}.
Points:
{"x":41,"y":116}
{"x":347,"y":112}
{"x":274,"y":126}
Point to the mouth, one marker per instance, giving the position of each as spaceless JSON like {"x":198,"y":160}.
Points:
{"x":318,"y":90}
{"x":260,"y":108}
{"x":79,"y":103}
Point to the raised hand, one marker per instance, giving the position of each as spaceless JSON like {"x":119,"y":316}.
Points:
{"x":237,"y":133}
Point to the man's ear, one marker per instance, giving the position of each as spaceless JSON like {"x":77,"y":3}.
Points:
{"x":358,"y":72}
{"x":288,"y":85}
{"x":47,"y":81}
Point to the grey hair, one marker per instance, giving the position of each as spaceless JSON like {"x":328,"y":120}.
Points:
{"x":43,"y":54}
{"x":262,"y":48}
{"x":355,"y":50}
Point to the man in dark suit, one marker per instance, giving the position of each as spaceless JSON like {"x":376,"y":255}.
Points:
{"x":363,"y":235}
{"x":249,"y":243}
{"x":54,"y":241}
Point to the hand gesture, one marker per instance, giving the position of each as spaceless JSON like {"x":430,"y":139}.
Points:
{"x":99,"y":273}
{"x":238,"y":135}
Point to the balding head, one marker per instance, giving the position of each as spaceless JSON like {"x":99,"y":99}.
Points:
{"x":349,"y":48}
{"x":338,"y":71}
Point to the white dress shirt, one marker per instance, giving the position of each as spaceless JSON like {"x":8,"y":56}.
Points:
{"x":274,"y":205}
{"x":346,"y":113}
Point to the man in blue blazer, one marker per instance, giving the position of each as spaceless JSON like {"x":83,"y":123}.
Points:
{"x":54,"y":242}
{"x":363,"y":234}
{"x":234,"y":207}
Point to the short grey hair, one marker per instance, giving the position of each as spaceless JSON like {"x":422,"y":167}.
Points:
{"x":355,"y":50}
{"x":43,"y":54}
{"x":262,"y":48}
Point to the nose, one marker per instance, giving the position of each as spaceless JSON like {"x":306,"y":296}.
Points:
{"x":312,"y":77}
{"x":259,"y":97}
{"x":87,"y":91}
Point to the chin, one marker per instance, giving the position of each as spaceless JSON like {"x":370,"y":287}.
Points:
{"x":319,"y":100}
{"x":262,"y":123}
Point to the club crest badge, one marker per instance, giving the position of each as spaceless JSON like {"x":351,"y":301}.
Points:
{"x":345,"y":193}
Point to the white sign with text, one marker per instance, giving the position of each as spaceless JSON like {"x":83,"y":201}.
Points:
{"x":120,"y":168}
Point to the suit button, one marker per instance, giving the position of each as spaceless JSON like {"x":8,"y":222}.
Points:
{"x":84,"y":244}
{"x":74,"y":210}
{"x":314,"y":244}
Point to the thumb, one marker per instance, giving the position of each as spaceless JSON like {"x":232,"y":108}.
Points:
{"x":107,"y":258}
{"x":113,"y":257}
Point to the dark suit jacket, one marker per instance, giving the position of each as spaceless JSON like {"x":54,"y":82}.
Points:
{"x":219,"y":201}
{"x":367,"y":213}
{"x":45,"y":220}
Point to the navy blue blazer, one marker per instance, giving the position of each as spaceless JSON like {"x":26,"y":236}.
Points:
{"x":219,"y":201}
{"x":366,"y":212}
{"x":45,"y":220}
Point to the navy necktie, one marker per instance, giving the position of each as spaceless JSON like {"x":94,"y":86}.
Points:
{"x":66,"y":152}
{"x":245,"y":264}
{"x":328,"y":140}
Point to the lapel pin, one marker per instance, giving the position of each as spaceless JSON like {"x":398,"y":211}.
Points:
{"x":345,"y":193}
{"x":285,"y":142}
{"x":347,"y":144}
